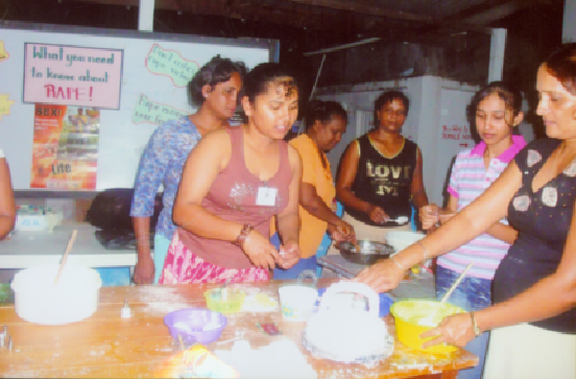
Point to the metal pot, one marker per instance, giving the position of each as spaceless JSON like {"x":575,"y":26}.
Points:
{"x":370,"y":251}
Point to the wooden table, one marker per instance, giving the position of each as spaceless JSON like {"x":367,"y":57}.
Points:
{"x":105,"y":345}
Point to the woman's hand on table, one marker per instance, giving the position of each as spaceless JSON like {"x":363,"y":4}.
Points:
{"x":455,"y":330}
{"x":289,"y":255}
{"x":382,"y":276}
{"x":144,"y":271}
{"x":260,"y":251}
{"x":342,"y":231}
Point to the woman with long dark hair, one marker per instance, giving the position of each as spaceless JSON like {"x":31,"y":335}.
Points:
{"x":234,"y":182}
{"x":214,"y":89}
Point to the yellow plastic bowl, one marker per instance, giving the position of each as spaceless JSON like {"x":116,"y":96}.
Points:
{"x":407,"y":315}
{"x":231,"y":302}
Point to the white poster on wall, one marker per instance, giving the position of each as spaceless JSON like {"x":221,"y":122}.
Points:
{"x":454,"y":134}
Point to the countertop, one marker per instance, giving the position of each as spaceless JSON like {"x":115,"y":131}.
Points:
{"x":27,"y":249}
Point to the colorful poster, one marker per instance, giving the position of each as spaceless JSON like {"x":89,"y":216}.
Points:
{"x":65,"y":148}
{"x":79,"y":76}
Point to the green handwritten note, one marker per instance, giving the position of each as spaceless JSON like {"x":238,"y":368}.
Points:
{"x":170,"y":63}
{"x":153,"y":112}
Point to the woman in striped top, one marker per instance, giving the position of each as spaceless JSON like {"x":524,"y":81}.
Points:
{"x":496,"y":111}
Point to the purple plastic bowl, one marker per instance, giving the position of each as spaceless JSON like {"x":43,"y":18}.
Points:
{"x":195,"y":325}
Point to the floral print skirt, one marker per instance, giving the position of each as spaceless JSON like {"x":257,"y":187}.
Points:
{"x":183,"y":266}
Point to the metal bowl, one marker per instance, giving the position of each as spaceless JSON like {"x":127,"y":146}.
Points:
{"x":370,"y":251}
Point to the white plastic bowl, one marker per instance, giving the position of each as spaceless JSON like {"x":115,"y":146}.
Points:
{"x":75,"y":297}
{"x":400,"y":240}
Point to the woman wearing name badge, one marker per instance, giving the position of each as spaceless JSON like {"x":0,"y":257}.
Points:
{"x":234,"y":182}
{"x":533,"y":319}
{"x":7,"y":204}
{"x":381,"y":174}
{"x":496,"y":109}
{"x":325,"y":123}
{"x":214,"y":89}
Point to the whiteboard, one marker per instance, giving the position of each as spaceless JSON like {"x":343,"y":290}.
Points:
{"x":123,"y":132}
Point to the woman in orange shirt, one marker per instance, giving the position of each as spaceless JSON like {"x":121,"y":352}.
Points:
{"x":325,"y":123}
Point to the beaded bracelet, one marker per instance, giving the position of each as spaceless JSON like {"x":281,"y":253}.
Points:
{"x":246,"y":229}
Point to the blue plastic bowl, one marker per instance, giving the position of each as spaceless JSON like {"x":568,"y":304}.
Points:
{"x":386,"y":302}
{"x":195,"y":325}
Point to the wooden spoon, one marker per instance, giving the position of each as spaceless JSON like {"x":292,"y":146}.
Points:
{"x":68,"y":248}
{"x":428,"y":320}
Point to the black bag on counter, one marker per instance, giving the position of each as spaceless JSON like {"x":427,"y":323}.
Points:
{"x":110,"y":212}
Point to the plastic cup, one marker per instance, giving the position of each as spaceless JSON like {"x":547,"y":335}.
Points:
{"x":297,"y":302}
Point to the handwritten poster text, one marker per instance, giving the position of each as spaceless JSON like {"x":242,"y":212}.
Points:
{"x":170,"y":63}
{"x":152,"y":112}
{"x":72,"y":75}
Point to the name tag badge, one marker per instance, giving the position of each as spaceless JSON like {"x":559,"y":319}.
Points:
{"x":266,"y":196}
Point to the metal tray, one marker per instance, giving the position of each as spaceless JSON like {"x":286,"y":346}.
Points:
{"x":370,"y":251}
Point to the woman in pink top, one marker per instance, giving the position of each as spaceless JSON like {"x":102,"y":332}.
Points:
{"x":234,"y":182}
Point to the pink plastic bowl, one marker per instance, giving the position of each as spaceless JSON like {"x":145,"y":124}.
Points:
{"x":195,"y":325}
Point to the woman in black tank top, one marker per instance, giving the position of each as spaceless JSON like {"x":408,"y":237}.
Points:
{"x":381,"y":172}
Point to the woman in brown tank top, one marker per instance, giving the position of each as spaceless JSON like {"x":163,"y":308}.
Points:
{"x":234,"y":181}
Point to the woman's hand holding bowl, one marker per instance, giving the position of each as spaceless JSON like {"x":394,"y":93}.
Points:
{"x":455,"y":330}
{"x":342,"y":231}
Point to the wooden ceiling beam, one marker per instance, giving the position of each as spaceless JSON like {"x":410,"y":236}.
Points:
{"x":128,"y":3}
{"x":366,"y":8}
{"x":342,"y":19}
{"x":493,"y":10}
{"x":357,"y":6}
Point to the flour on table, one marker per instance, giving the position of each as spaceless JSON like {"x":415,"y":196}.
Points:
{"x":281,"y":359}
{"x":161,"y":302}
